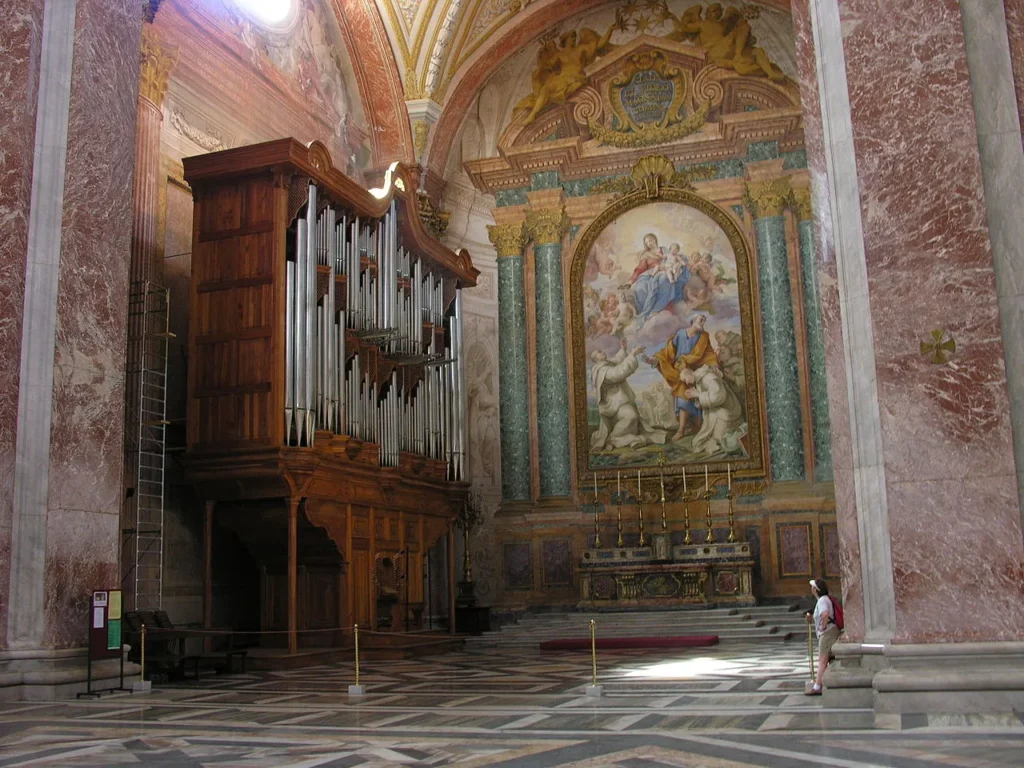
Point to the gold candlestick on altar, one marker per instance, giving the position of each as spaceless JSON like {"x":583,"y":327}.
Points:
{"x":661,"y":464}
{"x":686,"y":512}
{"x":711,"y":532}
{"x":640,"y":509}
{"x":597,"y":518}
{"x":618,"y":522}
{"x":732,"y":520}
{"x":467,"y":562}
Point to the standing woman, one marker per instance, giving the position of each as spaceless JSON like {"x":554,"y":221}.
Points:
{"x":825,"y":628}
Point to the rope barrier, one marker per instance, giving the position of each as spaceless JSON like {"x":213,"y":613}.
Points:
{"x":226,"y":632}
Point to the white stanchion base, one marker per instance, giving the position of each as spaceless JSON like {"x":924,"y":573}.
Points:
{"x":142,"y":686}
{"x":357,"y":690}
{"x":594,"y":690}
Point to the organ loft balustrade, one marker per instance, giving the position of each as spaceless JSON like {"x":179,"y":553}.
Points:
{"x":326,"y":385}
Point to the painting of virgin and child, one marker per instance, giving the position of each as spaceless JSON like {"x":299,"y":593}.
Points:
{"x":664,"y":341}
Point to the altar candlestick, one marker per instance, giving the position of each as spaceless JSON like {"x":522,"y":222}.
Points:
{"x":640,"y":509}
{"x":684,"y":481}
{"x":595,"y":487}
{"x":728,"y":474}
{"x":705,"y":477}
{"x":661,"y":482}
{"x":618,"y":482}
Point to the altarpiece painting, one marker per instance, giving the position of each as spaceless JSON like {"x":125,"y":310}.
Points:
{"x":665,"y":344}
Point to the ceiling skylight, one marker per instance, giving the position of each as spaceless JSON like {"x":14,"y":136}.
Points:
{"x":270,"y":12}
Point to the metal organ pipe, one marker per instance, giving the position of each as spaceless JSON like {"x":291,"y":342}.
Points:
{"x":394,"y":298}
{"x":289,"y":352}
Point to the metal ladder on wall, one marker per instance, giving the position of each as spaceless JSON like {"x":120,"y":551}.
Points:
{"x":145,"y":429}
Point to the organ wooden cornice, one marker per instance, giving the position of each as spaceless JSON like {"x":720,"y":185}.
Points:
{"x":290,"y":157}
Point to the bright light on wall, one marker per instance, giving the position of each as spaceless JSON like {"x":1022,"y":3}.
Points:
{"x":268,"y":11}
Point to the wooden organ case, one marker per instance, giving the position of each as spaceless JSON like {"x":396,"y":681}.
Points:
{"x":326,"y":400}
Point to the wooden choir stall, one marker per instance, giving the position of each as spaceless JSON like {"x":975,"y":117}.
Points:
{"x":326,"y":398}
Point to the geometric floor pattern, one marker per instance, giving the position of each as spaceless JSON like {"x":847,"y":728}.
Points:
{"x":730,"y":705}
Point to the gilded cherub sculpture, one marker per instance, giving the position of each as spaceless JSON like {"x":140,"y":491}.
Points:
{"x":727,"y":37}
{"x":560,"y":68}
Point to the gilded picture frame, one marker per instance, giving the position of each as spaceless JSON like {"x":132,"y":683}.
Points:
{"x":751,"y":460}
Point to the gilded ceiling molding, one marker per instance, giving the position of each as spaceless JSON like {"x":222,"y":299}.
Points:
{"x":547,"y":225}
{"x":768,"y":198}
{"x":158,"y":59}
{"x":380,"y":85}
{"x":398,"y":33}
{"x":508,"y":239}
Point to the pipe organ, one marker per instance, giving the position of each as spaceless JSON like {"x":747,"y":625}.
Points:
{"x":326,"y":375}
{"x":393,"y":299}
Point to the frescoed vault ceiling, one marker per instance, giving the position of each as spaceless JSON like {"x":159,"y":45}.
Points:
{"x":434,"y":40}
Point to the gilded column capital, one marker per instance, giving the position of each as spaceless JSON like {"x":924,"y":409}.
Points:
{"x":420,"y":134}
{"x":547,"y":225}
{"x":157,"y":61}
{"x":508,"y":239}
{"x":800,"y":202}
{"x":768,"y":198}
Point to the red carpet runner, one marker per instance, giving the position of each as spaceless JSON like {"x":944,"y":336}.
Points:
{"x":683,"y":641}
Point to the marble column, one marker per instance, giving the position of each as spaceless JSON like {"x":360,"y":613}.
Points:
{"x":509,"y":240}
{"x":67,"y":473}
{"x":801,"y":205}
{"x":767,"y":201}
{"x":547,"y":227}
{"x":157,"y":61}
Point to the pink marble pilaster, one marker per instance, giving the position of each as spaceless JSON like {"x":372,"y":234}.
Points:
{"x":88,"y":386}
{"x":157,"y":60}
{"x":20,"y":33}
{"x":839,"y":410}
{"x":954,"y":521}
{"x":1015,"y":31}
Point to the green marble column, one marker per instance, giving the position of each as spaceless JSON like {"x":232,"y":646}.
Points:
{"x":509,"y":240}
{"x":781,"y":373}
{"x":815,"y":337}
{"x":547,"y":227}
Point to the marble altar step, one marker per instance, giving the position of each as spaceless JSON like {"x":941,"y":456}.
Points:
{"x":769,"y":624}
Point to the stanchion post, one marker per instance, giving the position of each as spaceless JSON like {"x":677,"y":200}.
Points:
{"x":593,"y":689}
{"x":810,"y":651}
{"x":143,"y":685}
{"x":357,"y":689}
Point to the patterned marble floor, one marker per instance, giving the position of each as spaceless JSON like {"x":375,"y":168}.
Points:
{"x":733,"y":705}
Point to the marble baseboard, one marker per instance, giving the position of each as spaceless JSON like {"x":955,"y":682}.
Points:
{"x":52,"y":675}
{"x":944,"y":678}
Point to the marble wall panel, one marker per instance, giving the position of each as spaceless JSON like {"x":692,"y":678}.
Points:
{"x":88,"y":399}
{"x":829,"y":548}
{"x":794,"y":549}
{"x":945,"y":428}
{"x":20,"y":34}
{"x":518,"y":562}
{"x":556,"y":562}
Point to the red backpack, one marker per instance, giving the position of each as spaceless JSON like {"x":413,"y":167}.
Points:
{"x":837,"y":610}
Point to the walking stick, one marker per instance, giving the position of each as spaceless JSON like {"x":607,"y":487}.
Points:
{"x":810,"y":651}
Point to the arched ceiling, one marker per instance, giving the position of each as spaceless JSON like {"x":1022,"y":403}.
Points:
{"x":436,"y":41}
